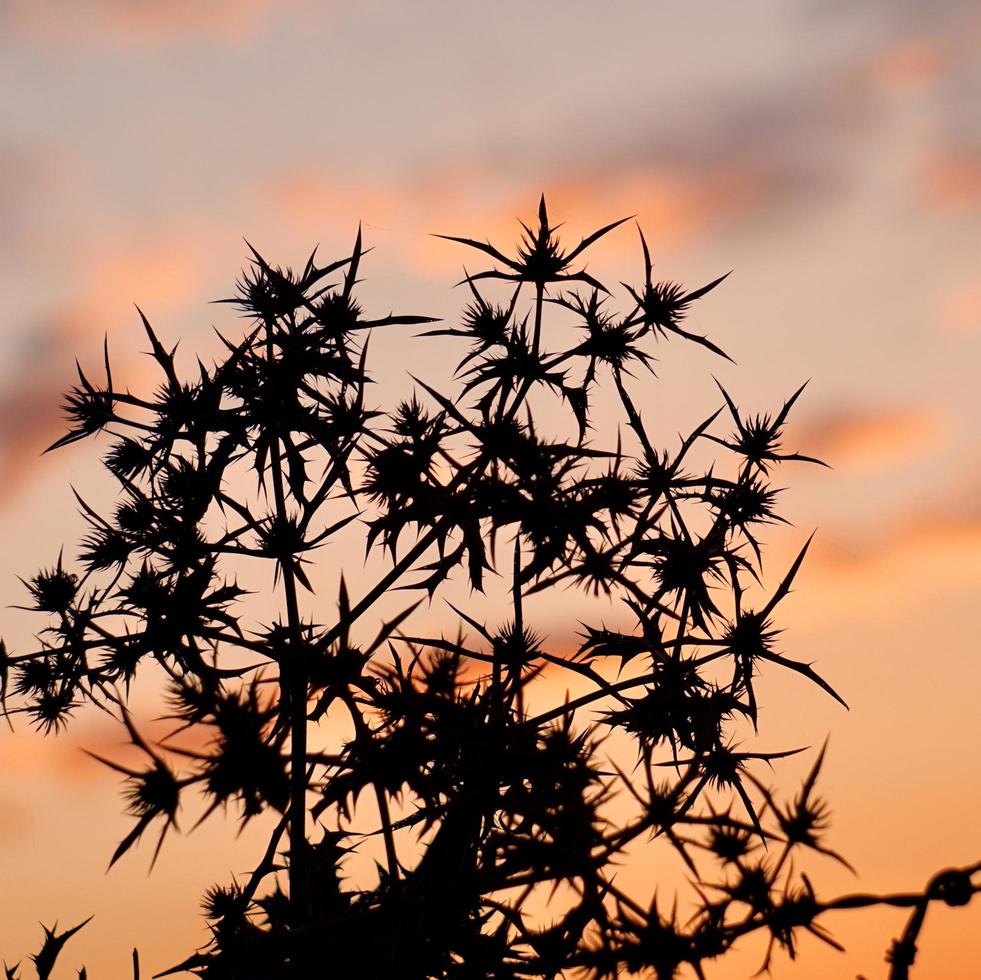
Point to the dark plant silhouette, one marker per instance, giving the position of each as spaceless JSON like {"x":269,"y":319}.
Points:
{"x":485,"y":797}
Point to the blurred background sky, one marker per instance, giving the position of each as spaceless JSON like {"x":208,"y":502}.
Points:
{"x":829,"y":153}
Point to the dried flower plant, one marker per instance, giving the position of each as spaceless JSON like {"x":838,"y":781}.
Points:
{"x":484,"y":803}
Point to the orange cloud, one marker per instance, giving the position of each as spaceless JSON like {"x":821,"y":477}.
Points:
{"x":230,"y":22}
{"x":15,"y":819}
{"x":30,"y":403}
{"x":868,"y":438}
{"x":960,"y":310}
{"x":913,"y":63}
{"x":166,"y":271}
{"x":953,"y":181}
{"x":936,"y":533}
{"x":164,"y":274}
{"x":673,"y":207}
{"x":671,"y":204}
{"x":24,"y":752}
{"x":876,"y":580}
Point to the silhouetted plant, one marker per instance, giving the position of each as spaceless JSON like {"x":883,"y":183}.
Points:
{"x":484,"y":798}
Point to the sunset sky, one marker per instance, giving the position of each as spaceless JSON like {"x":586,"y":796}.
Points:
{"x":828,"y":153}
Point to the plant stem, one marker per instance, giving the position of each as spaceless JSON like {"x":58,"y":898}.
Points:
{"x":297,"y":691}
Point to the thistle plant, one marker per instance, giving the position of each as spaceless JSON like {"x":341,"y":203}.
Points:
{"x":483,"y":793}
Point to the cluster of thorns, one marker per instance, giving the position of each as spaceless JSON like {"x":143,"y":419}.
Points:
{"x":482,"y":803}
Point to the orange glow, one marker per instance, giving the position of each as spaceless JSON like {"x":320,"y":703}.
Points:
{"x":953,"y":182}
{"x":960,"y":311}
{"x":912,"y":64}
{"x":230,"y":22}
{"x":681,"y":209}
{"x":870,"y":439}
